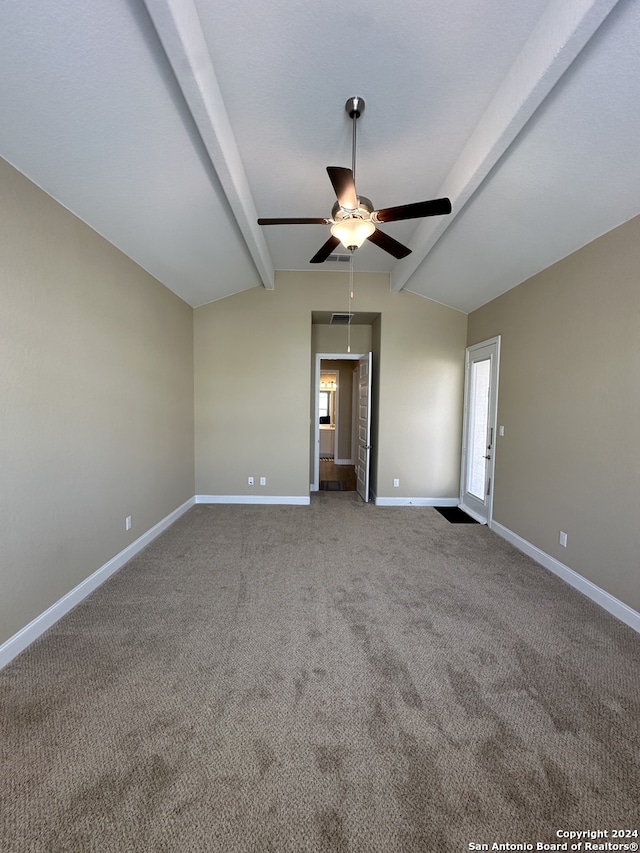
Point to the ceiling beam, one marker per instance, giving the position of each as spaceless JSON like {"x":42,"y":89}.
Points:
{"x":562,"y":32}
{"x":180,"y":32}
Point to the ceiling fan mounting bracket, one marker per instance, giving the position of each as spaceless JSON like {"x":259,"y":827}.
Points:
{"x":354,"y":107}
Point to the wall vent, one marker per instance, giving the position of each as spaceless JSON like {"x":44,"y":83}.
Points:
{"x":338,"y":259}
{"x":340,"y":319}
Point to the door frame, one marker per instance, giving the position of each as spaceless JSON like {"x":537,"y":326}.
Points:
{"x":492,"y":424}
{"x":320,"y":357}
{"x":336,"y":411}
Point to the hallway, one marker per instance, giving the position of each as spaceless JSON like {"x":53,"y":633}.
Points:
{"x":332,"y":473}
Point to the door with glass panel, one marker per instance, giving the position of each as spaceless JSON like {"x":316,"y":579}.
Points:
{"x":479,"y":431}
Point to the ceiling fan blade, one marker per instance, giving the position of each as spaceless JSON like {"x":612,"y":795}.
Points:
{"x":383,"y":241}
{"x":325,"y":251}
{"x":434,"y":207}
{"x":306,"y":221}
{"x":344,"y":186}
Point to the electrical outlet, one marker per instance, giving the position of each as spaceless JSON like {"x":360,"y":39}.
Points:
{"x":501,"y":430}
{"x":263,"y":481}
{"x":396,"y":484}
{"x":250,"y":481}
{"x":563,"y":539}
{"x":127,"y":523}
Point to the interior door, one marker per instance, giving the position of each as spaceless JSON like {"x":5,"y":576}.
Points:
{"x":364,"y":426}
{"x":479,"y":432}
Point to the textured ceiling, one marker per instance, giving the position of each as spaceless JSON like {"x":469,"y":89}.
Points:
{"x":169,"y":126}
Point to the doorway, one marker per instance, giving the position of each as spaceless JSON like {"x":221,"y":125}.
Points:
{"x":479,"y":430}
{"x":331,"y":468}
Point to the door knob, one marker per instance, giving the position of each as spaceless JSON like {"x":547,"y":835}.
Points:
{"x":486,"y":457}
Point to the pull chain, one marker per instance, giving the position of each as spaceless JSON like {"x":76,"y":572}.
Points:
{"x":349,"y":303}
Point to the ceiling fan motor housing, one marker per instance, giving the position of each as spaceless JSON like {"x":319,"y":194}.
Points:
{"x":363,"y":211}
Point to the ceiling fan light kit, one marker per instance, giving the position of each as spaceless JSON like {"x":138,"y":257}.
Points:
{"x":353,"y":218}
{"x":352,"y":231}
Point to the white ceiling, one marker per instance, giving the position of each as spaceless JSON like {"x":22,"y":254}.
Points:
{"x":169,"y":126}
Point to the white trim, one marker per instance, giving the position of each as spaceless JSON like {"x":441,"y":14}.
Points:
{"x":416,"y":501}
{"x":607,"y":601}
{"x":27,"y":635}
{"x":344,"y":461}
{"x":475,"y":515}
{"x":296,"y":500}
{"x":354,"y":419}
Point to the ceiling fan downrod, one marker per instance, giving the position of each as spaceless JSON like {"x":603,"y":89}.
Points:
{"x":354,"y":108}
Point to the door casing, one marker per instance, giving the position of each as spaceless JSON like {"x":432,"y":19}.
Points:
{"x":322,"y":356}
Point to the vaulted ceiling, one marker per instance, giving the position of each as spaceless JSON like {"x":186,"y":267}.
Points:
{"x":170,"y":126}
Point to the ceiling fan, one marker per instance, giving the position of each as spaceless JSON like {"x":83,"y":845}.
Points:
{"x":353,"y":218}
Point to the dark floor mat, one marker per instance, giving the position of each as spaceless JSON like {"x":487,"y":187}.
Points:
{"x":455,"y":515}
{"x":332,"y":486}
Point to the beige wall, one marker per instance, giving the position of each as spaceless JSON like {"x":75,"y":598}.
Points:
{"x":252,"y":375}
{"x":247,"y":426}
{"x":569,"y":401}
{"x":96,"y":418}
{"x":333,"y":339}
{"x":421,"y":384}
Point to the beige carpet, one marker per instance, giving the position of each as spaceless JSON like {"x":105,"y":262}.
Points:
{"x":339,"y":677}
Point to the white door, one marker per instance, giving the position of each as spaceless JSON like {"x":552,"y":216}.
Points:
{"x":364,"y":426}
{"x":479,"y":432}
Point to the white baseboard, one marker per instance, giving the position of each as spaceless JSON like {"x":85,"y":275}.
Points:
{"x":417,"y":501}
{"x":295,"y":500}
{"x":19,"y":642}
{"x":344,"y":462}
{"x":607,"y":601}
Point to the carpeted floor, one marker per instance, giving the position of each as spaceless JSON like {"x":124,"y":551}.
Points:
{"x":339,"y":677}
